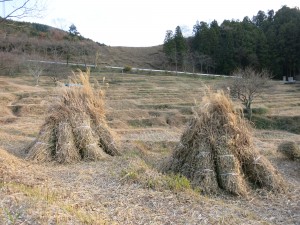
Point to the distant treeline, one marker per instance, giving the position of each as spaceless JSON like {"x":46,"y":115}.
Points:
{"x":268,"y":40}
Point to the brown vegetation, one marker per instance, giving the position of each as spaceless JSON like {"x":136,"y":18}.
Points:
{"x":75,"y":128}
{"x":130,"y":189}
{"x":291,"y":149}
{"x":247,"y":84}
{"x":216,"y":151}
{"x":20,"y":42}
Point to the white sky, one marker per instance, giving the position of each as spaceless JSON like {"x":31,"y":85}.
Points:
{"x":141,"y":23}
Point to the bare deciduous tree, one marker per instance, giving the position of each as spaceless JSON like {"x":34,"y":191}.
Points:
{"x":17,"y":9}
{"x":9,"y":63}
{"x":36,"y":69}
{"x":247,"y":84}
{"x":97,"y":56}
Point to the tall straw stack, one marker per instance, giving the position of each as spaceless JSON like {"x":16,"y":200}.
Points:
{"x":216,"y":151}
{"x":75,"y":128}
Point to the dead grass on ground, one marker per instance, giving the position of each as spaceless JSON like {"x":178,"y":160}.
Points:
{"x":130,"y":189}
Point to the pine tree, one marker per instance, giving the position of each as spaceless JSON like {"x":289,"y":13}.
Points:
{"x":181,"y":46}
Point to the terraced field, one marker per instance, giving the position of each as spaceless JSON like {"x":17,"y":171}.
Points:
{"x":152,"y":108}
{"x":148,"y":114}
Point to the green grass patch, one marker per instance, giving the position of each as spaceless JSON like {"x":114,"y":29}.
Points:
{"x":260,"y":111}
{"x":141,"y":123}
{"x":257,"y":111}
{"x":286,"y":123}
{"x":177,"y":182}
{"x":156,"y":106}
{"x":148,"y":177}
{"x":186,"y":111}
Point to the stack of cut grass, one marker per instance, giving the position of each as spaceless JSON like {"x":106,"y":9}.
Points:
{"x":75,"y":128}
{"x":216,"y":151}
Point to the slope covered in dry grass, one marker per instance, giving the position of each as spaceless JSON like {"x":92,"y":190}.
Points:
{"x":22,"y":41}
{"x":148,"y":112}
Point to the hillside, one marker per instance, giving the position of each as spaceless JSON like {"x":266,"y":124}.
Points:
{"x":140,"y":57}
{"x":148,"y":114}
{"x":20,"y":41}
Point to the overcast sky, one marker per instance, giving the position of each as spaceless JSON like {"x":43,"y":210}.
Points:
{"x":141,"y":23}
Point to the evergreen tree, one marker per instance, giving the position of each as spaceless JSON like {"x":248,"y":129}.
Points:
{"x":283,"y":36}
{"x":169,"y":47}
{"x":270,"y":40}
{"x":73,"y":30}
{"x":175,"y":47}
{"x":181,"y":46}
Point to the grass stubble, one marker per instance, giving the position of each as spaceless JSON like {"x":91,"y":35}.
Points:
{"x":130,"y":188}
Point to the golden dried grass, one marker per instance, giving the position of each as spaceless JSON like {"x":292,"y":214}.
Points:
{"x":66,"y":149}
{"x":6,"y":115}
{"x":42,"y":149}
{"x":9,"y":164}
{"x":77,"y":121}
{"x":220,"y":132}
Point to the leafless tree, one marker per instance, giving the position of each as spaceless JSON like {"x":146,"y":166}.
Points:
{"x":35,"y":69}
{"x":17,"y":9}
{"x":9,"y":63}
{"x":247,"y":84}
{"x":97,"y":56}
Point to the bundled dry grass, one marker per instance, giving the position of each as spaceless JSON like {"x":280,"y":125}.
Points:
{"x":65,"y":146}
{"x":75,"y":128}
{"x":42,"y":149}
{"x":216,"y":151}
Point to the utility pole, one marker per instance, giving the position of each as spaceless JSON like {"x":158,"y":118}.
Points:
{"x":3,"y":1}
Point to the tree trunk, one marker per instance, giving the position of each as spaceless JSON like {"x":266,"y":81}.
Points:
{"x":249,"y":110}
{"x":37,"y":81}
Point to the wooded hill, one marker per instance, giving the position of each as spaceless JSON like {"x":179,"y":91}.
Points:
{"x":22,"y":41}
{"x":268,"y":40}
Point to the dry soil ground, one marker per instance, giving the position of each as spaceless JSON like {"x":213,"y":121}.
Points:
{"x":147,"y":113}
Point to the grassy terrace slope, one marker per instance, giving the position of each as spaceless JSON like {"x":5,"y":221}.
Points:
{"x":21,"y":41}
{"x":148,"y":113}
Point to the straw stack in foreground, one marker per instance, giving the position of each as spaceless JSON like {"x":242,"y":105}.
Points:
{"x":75,"y":128}
{"x":216,"y":151}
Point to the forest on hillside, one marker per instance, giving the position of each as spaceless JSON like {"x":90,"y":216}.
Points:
{"x":268,"y":40}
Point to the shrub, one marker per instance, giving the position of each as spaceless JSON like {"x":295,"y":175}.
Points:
{"x":260,"y":111}
{"x":127,"y":69}
{"x":177,"y":182}
{"x":290,"y":149}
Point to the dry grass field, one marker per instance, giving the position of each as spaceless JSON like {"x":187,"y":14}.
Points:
{"x":140,"y":57}
{"x":147,"y":113}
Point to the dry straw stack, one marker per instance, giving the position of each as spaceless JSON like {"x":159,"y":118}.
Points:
{"x":75,"y":128}
{"x":216,"y":151}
